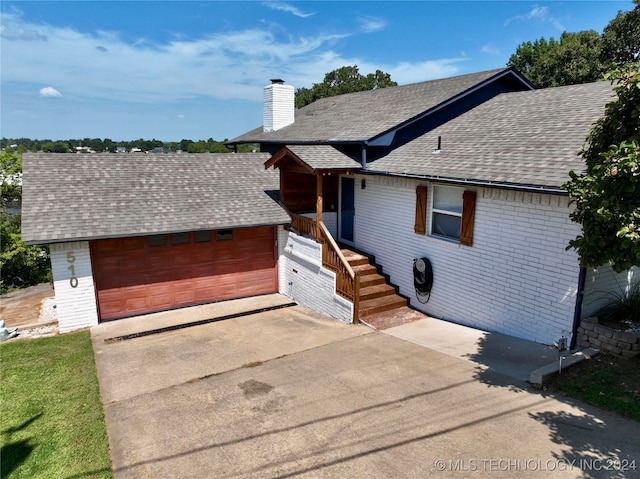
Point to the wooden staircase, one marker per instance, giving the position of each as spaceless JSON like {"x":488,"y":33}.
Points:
{"x":378,"y":298}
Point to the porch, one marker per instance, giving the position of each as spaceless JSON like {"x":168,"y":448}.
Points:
{"x":312,"y":187}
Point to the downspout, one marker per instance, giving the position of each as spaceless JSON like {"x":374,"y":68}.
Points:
{"x":363,"y":160}
{"x":582,"y":278}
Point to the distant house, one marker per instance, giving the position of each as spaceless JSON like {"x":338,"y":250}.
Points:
{"x":443,"y":195}
{"x":84,"y":149}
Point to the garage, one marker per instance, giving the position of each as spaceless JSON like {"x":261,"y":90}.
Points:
{"x":154,"y":273}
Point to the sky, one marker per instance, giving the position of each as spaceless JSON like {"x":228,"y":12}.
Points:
{"x":173,"y":70}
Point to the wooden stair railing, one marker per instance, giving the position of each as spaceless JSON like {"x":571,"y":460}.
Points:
{"x":347,"y":280}
{"x":304,"y":226}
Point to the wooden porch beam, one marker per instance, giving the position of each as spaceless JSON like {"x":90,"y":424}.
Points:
{"x":318,"y":197}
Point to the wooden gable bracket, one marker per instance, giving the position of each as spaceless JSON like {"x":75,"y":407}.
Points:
{"x":283,"y":159}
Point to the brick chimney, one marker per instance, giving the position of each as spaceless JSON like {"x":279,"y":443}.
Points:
{"x":279,"y":106}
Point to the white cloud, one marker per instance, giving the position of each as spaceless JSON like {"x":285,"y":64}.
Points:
{"x":16,"y":30}
{"x":102,"y":69}
{"x":490,"y":49}
{"x":370,"y":24}
{"x":538,"y":13}
{"x":50,"y":92}
{"x":405,"y":72}
{"x":285,"y":7}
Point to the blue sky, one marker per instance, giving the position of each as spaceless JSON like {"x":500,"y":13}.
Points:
{"x":195,"y":69}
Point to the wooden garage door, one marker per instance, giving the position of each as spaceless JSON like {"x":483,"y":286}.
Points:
{"x":155,"y":273}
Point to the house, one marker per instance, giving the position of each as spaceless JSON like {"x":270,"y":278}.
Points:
{"x":442,"y":197}
{"x":463,"y":174}
{"x":140,"y":233}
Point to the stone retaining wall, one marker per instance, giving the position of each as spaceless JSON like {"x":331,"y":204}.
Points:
{"x":591,"y":334}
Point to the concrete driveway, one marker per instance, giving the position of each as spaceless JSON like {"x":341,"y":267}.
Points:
{"x":291,"y":393}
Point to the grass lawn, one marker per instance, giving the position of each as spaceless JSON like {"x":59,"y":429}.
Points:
{"x":605,"y":381}
{"x":52,"y":418}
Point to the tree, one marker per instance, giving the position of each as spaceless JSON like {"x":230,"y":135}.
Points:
{"x":21,"y":265}
{"x":580,"y":57}
{"x":199,"y":147}
{"x":343,"y":80}
{"x":607,"y":194}
{"x":572,"y":60}
{"x":11,"y":178}
{"x":621,"y":38}
{"x":57,"y":147}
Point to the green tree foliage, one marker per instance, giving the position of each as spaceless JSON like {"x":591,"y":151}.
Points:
{"x":572,"y":60}
{"x":580,"y":57}
{"x":343,"y":80}
{"x":199,"y":147}
{"x":621,"y":38}
{"x":11,"y":177}
{"x":21,"y":265}
{"x":607,"y":194}
{"x":22,"y":145}
{"x":57,"y":147}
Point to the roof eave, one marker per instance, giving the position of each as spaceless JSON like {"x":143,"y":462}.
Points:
{"x":532,"y":188}
{"x":149,"y":233}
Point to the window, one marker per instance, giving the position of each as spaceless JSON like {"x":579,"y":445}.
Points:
{"x":224,"y":235}
{"x":202,"y":236}
{"x":180,"y":238}
{"x":156,"y":240}
{"x":453,"y":214}
{"x":447,"y":212}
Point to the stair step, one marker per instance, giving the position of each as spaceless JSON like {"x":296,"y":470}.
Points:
{"x":371,"y":280}
{"x":378,"y":305}
{"x":353,"y":258}
{"x":365,"y":269}
{"x":394,"y":317}
{"x":376,"y":291}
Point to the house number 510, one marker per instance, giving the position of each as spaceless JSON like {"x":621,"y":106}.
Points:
{"x":71,"y":258}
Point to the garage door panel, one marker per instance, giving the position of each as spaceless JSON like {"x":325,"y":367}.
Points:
{"x":137,"y":303}
{"x":160,"y":296}
{"x":134,"y":278}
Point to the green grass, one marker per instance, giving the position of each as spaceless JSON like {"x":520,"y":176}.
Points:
{"x":605,"y":381}
{"x":52,"y":419}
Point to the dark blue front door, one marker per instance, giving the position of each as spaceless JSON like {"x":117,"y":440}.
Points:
{"x":347,"y":209}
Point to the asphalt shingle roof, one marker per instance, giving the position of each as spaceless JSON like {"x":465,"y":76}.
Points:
{"x":324,"y":157}
{"x":521,"y":138}
{"x":363,"y":115}
{"x":75,"y":197}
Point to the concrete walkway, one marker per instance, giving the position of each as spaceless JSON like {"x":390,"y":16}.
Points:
{"x":513,"y":357}
{"x":291,"y":393}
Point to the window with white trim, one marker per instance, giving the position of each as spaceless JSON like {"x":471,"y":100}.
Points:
{"x":446,"y":212}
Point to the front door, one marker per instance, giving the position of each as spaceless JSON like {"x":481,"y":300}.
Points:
{"x":347,"y":209}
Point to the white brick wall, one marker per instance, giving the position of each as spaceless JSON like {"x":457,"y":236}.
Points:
{"x":516,"y":279}
{"x":603,"y":284}
{"x":279,"y":107}
{"x":303,"y":279}
{"x":73,"y":283}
